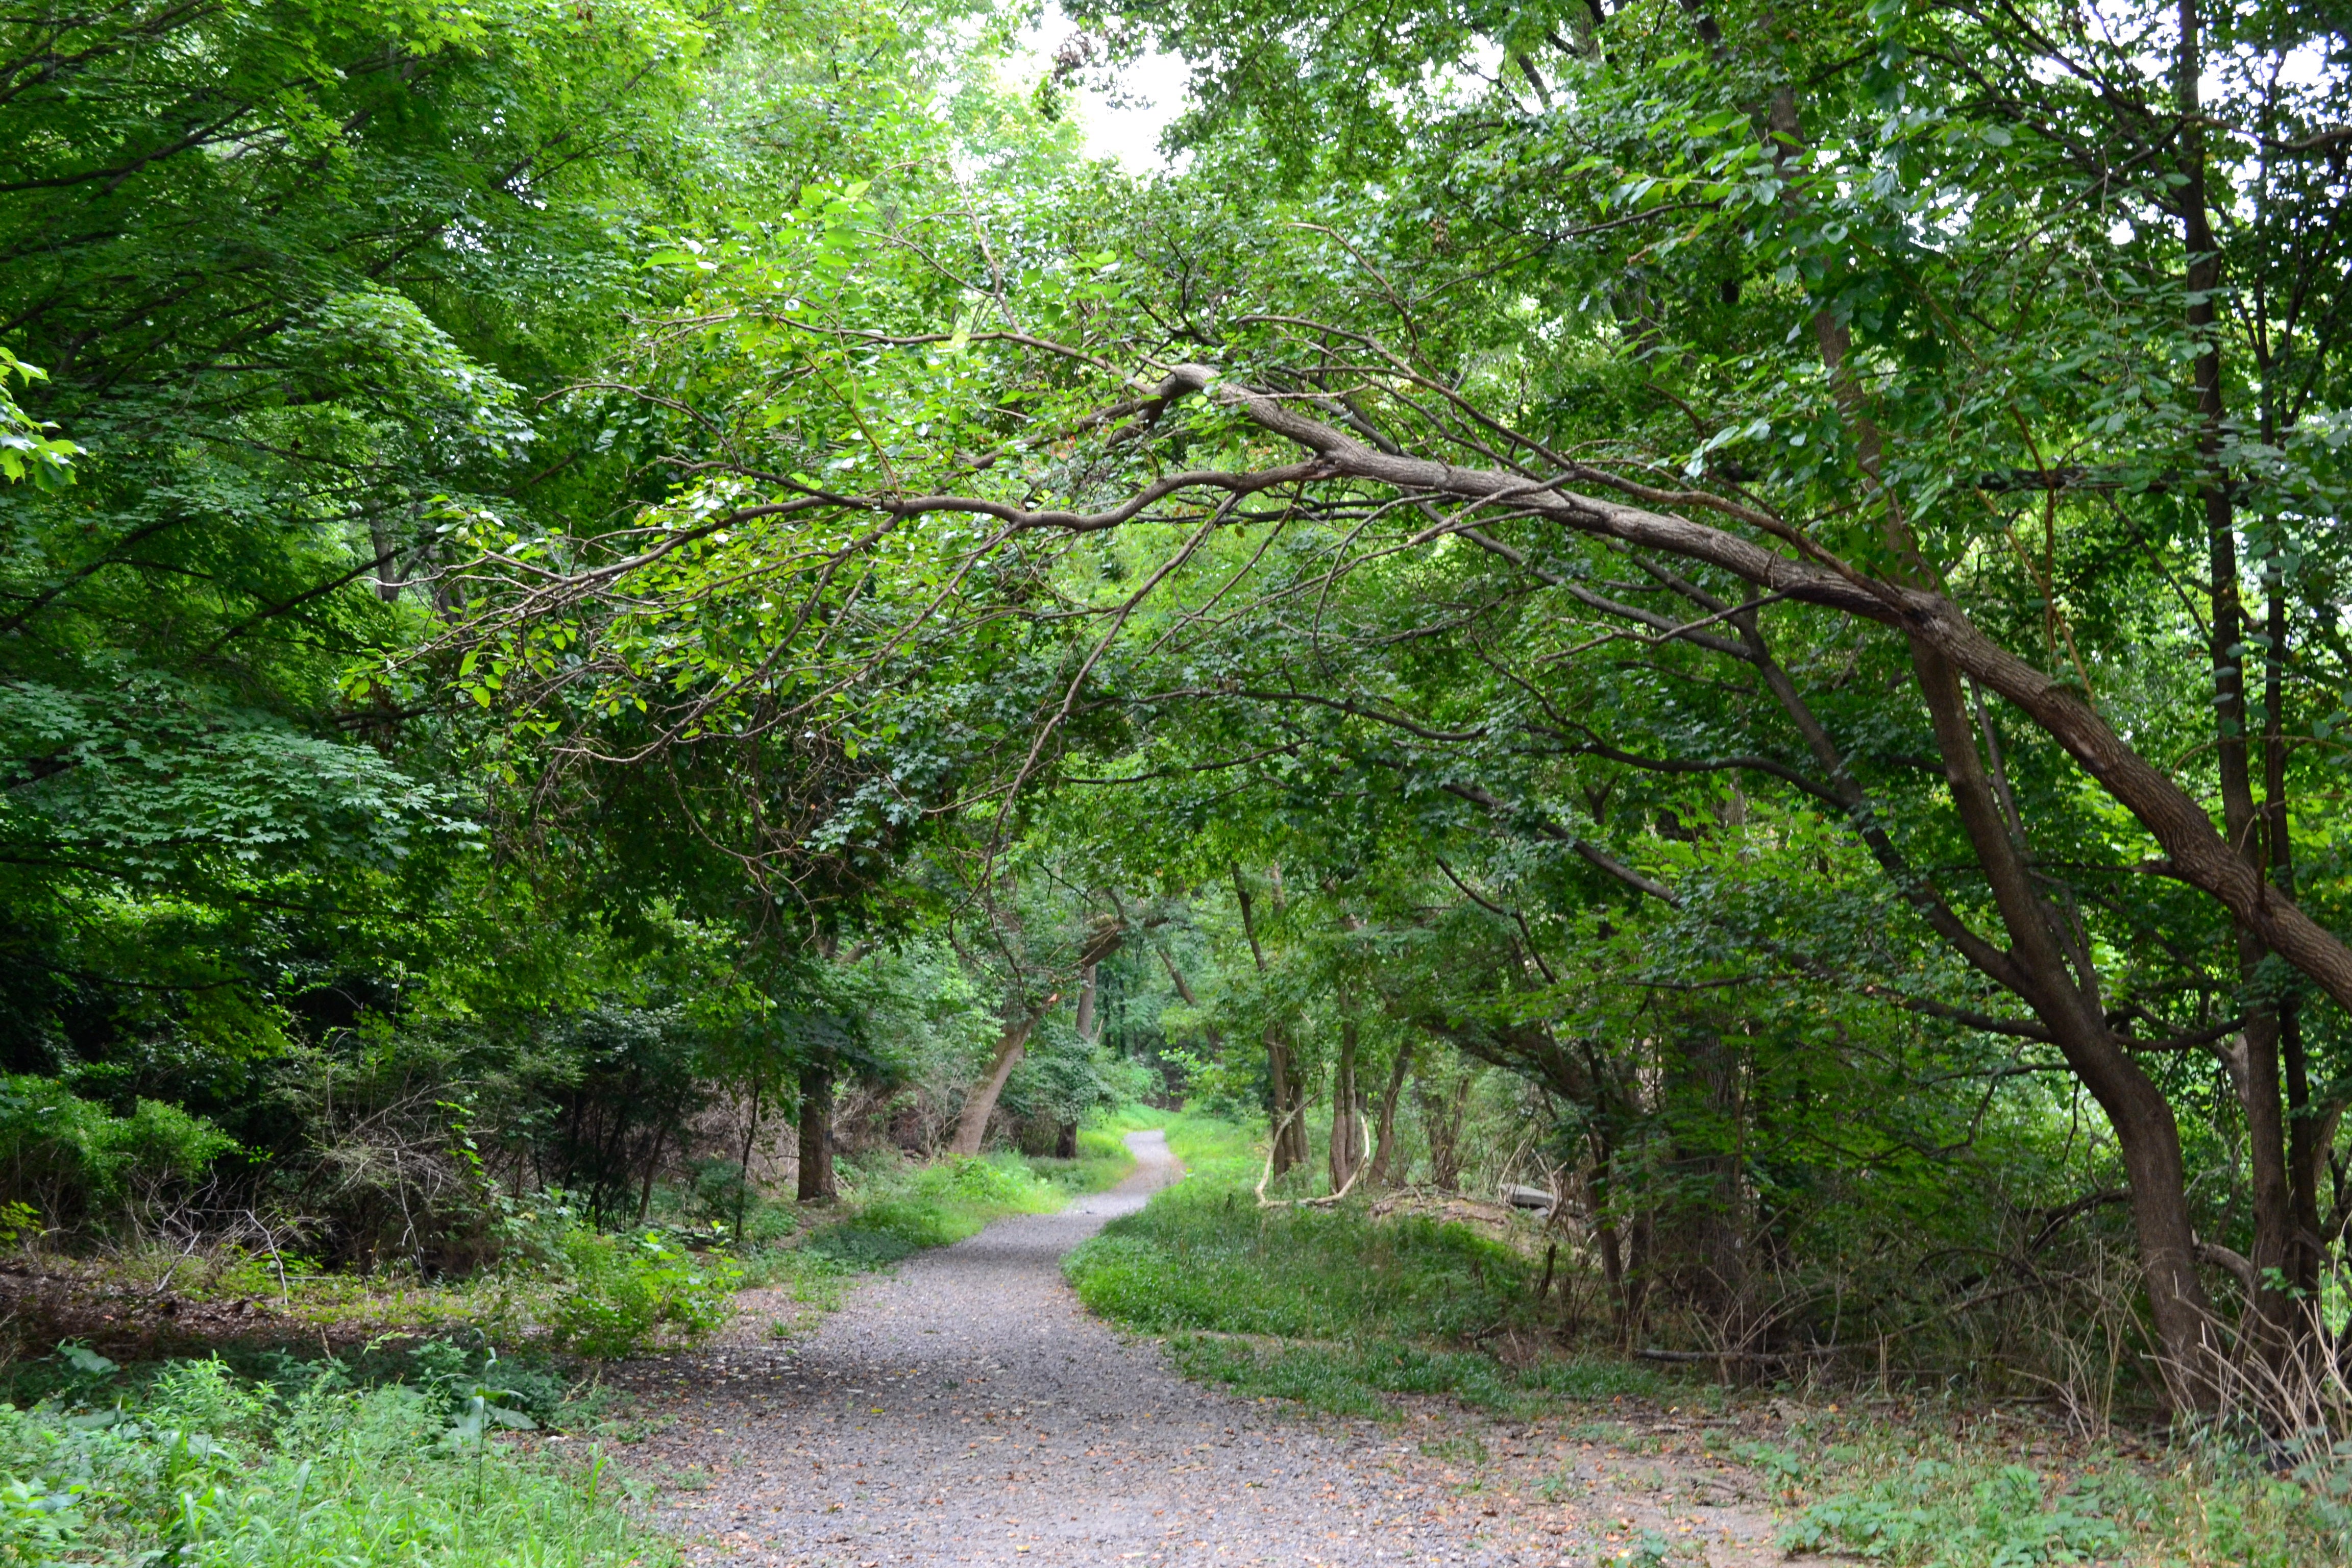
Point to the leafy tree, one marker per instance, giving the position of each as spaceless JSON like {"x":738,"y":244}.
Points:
{"x":1831,"y":346}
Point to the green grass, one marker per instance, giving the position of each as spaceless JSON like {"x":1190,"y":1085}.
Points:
{"x":1359,"y":1379}
{"x":896,"y":1209}
{"x":409,"y":1454}
{"x":193,"y":1464}
{"x":1923,"y":1500}
{"x":1326,"y":1306}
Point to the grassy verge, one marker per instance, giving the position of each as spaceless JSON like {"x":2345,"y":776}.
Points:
{"x":1899,"y":1495}
{"x":897,"y":1208}
{"x":1345,"y":1313}
{"x":1327,"y":1306}
{"x":191,"y":1463}
{"x":414,"y":1451}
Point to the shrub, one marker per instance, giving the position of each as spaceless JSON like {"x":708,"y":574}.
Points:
{"x":70,"y":1157}
{"x":1916,"y":1498}
{"x":623,"y":1291}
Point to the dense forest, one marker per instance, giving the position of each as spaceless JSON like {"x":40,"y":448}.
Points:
{"x":1731,"y":616}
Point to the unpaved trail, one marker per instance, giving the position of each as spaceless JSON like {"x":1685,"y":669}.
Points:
{"x":966,"y":1409}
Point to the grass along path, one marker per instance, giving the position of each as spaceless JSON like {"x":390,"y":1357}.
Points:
{"x":410,"y":1450}
{"x":191,"y":1463}
{"x":897,"y":1211}
{"x":1374,"y":1317}
{"x":967,"y":1409}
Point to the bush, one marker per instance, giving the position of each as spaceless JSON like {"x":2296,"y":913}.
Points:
{"x":623,"y":1291}
{"x":70,"y":1157}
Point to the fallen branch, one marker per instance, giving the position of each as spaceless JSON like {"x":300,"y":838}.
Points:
{"x":1272,"y":1143}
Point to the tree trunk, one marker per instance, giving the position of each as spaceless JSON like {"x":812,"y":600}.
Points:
{"x":1441,"y":1120}
{"x":2254,"y":1064}
{"x":387,"y":549}
{"x":972,"y":1127}
{"x":2307,"y":1252}
{"x":1087,"y":1022}
{"x":1286,"y":1106}
{"x":1385,"y":1154}
{"x":2254,"y":1072}
{"x":1613,"y":1274}
{"x":1286,"y":1097}
{"x":653,"y":1166}
{"x":1346,"y":1113}
{"x":816,"y":1184}
{"x":1593,"y":1180}
{"x":2067,"y":1003}
{"x":1702,"y":1244}
{"x":743,"y":1175}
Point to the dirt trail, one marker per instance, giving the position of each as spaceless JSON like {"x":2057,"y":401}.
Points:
{"x":967,"y":1410}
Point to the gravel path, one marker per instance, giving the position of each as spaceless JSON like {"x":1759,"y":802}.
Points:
{"x":965,"y":1409}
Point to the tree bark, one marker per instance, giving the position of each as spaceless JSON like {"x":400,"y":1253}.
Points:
{"x":2306,"y":1251}
{"x":1385,"y":1151}
{"x":653,"y":1166}
{"x":1347,"y":1107}
{"x":1286,"y":1107}
{"x":1287,"y":1103}
{"x":972,"y":1127}
{"x":751,"y":1137}
{"x":2254,"y":1065}
{"x":2068,"y":1005}
{"x":816,"y":1184}
{"x":1708,"y":1238}
{"x":1441,"y":1117}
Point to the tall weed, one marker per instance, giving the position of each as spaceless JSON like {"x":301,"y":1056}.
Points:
{"x":622,"y":1292}
{"x":200,"y":1467}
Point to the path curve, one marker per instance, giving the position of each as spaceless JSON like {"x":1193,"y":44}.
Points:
{"x":965,"y":1409}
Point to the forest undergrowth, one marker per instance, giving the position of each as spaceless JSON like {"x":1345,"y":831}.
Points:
{"x":431,"y":1453}
{"x":407,"y":1436}
{"x":560,"y":1281}
{"x":1349,"y":1314}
